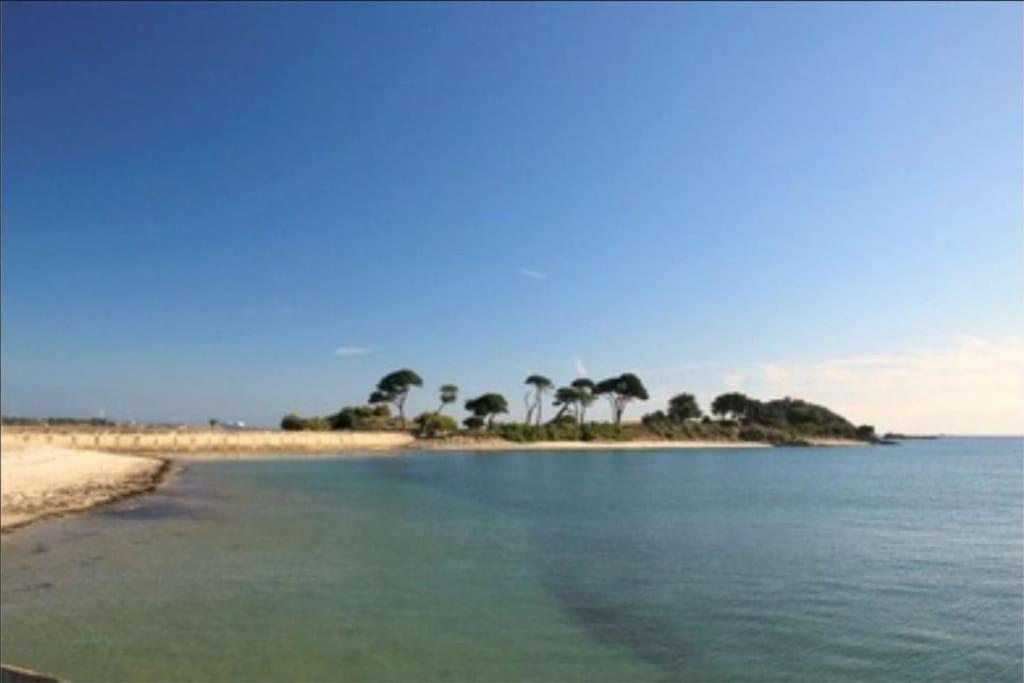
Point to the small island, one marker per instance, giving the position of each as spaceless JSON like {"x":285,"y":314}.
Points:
{"x":734,"y":418}
{"x":59,"y":465}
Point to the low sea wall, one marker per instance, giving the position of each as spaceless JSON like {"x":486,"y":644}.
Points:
{"x":200,"y":440}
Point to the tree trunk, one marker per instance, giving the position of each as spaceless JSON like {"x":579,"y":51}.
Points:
{"x":540,"y":402}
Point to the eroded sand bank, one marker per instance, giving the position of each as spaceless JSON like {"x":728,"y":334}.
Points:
{"x":45,"y":481}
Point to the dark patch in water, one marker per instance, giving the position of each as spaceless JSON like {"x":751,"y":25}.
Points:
{"x":45,"y":585}
{"x":149,"y":510}
{"x":645,"y":636}
{"x":603,"y":606}
{"x":39,"y":549}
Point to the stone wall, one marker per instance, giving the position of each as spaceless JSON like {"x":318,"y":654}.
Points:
{"x":199,"y":440}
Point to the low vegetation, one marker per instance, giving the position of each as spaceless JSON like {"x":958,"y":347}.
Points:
{"x":361,"y":418}
{"x":733,"y":416}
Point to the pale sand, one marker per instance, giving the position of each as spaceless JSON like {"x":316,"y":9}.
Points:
{"x":835,"y":442}
{"x":45,"y":480}
{"x":501,"y":445}
{"x":389,"y":451}
{"x":41,"y":482}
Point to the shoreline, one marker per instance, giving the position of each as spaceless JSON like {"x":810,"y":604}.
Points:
{"x":503,"y":445}
{"x":43,"y":483}
{"x":47,"y":481}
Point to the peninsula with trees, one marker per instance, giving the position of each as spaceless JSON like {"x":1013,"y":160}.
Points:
{"x":732,"y":417}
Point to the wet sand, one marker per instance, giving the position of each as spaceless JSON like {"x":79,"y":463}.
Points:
{"x":460,"y":444}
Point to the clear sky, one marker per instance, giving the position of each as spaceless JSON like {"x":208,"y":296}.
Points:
{"x":238,"y":210}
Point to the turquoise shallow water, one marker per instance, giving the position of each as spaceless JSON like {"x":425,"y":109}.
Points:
{"x":847,"y":564}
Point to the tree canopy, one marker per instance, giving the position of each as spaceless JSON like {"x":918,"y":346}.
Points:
{"x":541,"y":384}
{"x":449,"y":393}
{"x":587,"y":392}
{"x":394,"y":388}
{"x":731,"y":405}
{"x":620,"y":391}
{"x":566,"y":398}
{"x":785,"y":413}
{"x":487,"y":406}
{"x":683,"y":407}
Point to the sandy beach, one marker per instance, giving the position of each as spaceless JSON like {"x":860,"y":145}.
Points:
{"x":502,"y":445}
{"x":46,"y":481}
{"x":41,"y":479}
{"x":814,"y":441}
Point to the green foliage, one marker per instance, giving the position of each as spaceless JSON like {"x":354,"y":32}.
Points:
{"x":731,"y":405}
{"x":754,"y":433}
{"x":561,"y":430}
{"x":866,"y":433}
{"x":785,"y":418}
{"x":584,"y":384}
{"x":541,"y":385}
{"x":473,"y":422}
{"x":620,"y":391}
{"x":539,"y":381}
{"x":662,"y":426}
{"x":449,"y":394}
{"x":586,"y":393}
{"x":800,"y":417}
{"x":394,"y":388}
{"x":567,"y":398}
{"x":434,"y":424}
{"x":294,"y":423}
{"x":604,"y":431}
{"x":365,"y":418}
{"x":487,"y":406}
{"x":683,"y":407}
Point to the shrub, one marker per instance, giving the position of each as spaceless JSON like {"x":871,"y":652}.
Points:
{"x":431,"y":424}
{"x":361,"y":417}
{"x":292,"y":423}
{"x":604,"y":431}
{"x":683,"y":407}
{"x":866,"y":433}
{"x":318,"y":424}
{"x":753,"y":433}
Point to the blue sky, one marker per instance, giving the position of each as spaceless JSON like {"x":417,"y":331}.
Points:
{"x":203,"y":203}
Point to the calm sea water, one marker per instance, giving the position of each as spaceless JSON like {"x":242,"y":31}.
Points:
{"x":848,"y":564}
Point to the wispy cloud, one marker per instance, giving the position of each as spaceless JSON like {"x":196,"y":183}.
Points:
{"x":535,"y":274}
{"x":351,"y":351}
{"x":971,"y":385}
{"x":579,"y":367}
{"x":732,"y":380}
